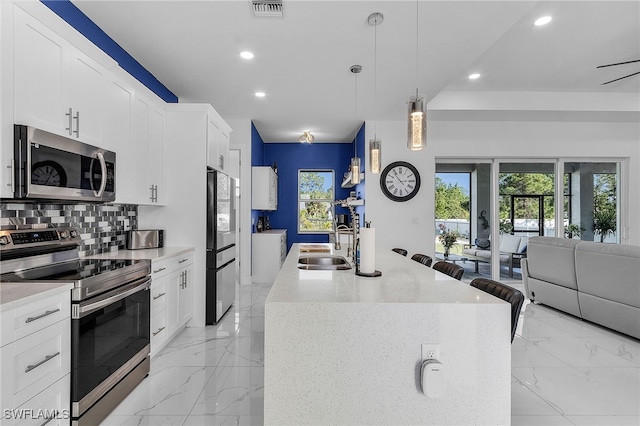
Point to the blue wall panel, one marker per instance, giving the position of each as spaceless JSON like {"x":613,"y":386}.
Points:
{"x":290,"y":158}
{"x":78,"y":20}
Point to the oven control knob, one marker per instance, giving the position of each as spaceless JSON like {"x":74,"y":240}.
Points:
{"x":64,"y":234}
{"x":4,"y":240}
{"x":73,"y":234}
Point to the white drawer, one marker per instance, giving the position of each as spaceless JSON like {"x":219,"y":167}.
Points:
{"x":35,"y":362}
{"x":160,"y":268}
{"x":182,"y":260}
{"x":52,"y":403}
{"x":158,"y":296}
{"x":27,"y":319}
{"x":158,"y":330}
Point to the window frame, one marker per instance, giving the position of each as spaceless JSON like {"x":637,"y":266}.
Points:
{"x":301,"y":200}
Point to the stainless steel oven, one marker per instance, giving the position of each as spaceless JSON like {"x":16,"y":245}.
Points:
{"x":52,"y":167}
{"x":110,"y":314}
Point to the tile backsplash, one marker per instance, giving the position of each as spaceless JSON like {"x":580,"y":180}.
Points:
{"x":103,"y":226}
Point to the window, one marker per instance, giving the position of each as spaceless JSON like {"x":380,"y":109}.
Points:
{"x":315,"y":195}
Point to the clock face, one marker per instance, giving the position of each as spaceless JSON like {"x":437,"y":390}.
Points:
{"x":400,"y":181}
{"x":48,"y":173}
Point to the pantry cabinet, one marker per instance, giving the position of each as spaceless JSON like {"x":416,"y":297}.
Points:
{"x":57,"y":88}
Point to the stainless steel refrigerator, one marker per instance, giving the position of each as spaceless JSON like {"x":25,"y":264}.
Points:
{"x":221,"y":245}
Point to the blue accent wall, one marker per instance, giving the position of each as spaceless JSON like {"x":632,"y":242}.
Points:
{"x":292,"y":157}
{"x":81,"y":22}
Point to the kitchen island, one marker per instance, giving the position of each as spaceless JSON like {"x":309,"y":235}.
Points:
{"x":344,"y":349}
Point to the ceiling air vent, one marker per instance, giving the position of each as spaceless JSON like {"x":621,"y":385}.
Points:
{"x":267,"y":8}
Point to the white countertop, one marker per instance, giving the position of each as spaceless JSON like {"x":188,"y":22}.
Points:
{"x":403,"y":281}
{"x":13,"y":295}
{"x":143,"y":254}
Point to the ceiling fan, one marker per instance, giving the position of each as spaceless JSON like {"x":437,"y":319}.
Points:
{"x":619,"y":63}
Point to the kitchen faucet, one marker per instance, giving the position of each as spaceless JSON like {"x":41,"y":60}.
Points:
{"x":355,"y":227}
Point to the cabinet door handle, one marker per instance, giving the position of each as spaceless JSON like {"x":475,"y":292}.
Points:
{"x":13,"y":175}
{"x":158,"y":296}
{"x":221,"y":161}
{"x":77,"y":130}
{"x":183,"y":260}
{"x":158,"y":270}
{"x":159,"y":330}
{"x":38,"y":364}
{"x":70,"y":115}
{"x":151,"y":192}
{"x":30,"y":319}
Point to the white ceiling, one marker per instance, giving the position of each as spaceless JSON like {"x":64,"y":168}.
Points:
{"x":302,"y":61}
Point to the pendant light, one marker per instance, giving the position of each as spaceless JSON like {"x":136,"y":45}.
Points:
{"x":375,"y":145}
{"x":417,"y":119}
{"x":355,"y":161}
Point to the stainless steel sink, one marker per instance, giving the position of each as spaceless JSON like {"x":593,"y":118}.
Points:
{"x":335,"y":263}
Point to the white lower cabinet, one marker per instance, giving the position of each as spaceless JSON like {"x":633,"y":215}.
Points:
{"x":171,"y":293}
{"x":268,"y":252}
{"x":36,"y":362}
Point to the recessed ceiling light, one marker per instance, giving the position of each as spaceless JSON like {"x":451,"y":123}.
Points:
{"x":474,"y":76}
{"x":542,"y":21}
{"x":260,"y":94}
{"x":246,"y":54}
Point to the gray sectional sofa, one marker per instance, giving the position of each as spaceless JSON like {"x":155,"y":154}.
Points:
{"x":594,"y":281}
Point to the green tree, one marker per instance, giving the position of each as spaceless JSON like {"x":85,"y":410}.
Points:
{"x":451,"y":201}
{"x":526,"y":184}
{"x":604,"y":204}
{"x":315,"y":215}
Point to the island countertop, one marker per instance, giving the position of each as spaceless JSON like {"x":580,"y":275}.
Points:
{"x":403,"y":281}
{"x":345,"y":349}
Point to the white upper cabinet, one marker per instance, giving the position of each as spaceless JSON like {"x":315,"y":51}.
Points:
{"x":117,"y":119}
{"x":217,"y":142}
{"x":264,"y":188}
{"x":57,"y":87}
{"x":147,"y":146}
{"x":38,"y":69}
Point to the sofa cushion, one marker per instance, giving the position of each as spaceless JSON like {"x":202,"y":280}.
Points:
{"x":522,"y":247}
{"x":609,"y":271}
{"x":552,"y":260}
{"x":509,"y":243}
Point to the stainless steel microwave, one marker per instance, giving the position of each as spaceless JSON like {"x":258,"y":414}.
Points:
{"x":52,"y":167}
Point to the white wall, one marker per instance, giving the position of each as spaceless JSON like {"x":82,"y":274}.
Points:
{"x":411,"y":224}
{"x":240,"y":139}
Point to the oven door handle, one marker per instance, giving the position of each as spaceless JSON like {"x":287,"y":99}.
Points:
{"x":83,"y":309}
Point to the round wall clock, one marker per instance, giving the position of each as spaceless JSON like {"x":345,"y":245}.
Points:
{"x":400,"y":181}
{"x":48,"y":173}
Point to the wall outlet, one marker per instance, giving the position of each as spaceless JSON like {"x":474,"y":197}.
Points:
{"x":430,"y":351}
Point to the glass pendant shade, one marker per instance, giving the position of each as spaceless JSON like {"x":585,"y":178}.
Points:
{"x":375,"y":155}
{"x":417,"y":126}
{"x":355,"y":170}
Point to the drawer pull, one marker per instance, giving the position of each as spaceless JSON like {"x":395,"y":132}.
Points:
{"x":183,"y":260}
{"x":158,"y":296}
{"x":30,"y":319}
{"x":159,"y":330}
{"x":47,"y":358}
{"x":158,"y":270}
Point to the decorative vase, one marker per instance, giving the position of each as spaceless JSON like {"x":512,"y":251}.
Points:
{"x":446,"y":252}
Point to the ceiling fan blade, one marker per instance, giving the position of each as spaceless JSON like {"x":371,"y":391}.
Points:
{"x":619,"y":63}
{"x":620,"y":78}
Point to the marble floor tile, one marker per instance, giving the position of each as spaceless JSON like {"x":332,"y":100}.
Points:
{"x":565,"y":371}
{"x":232,"y":391}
